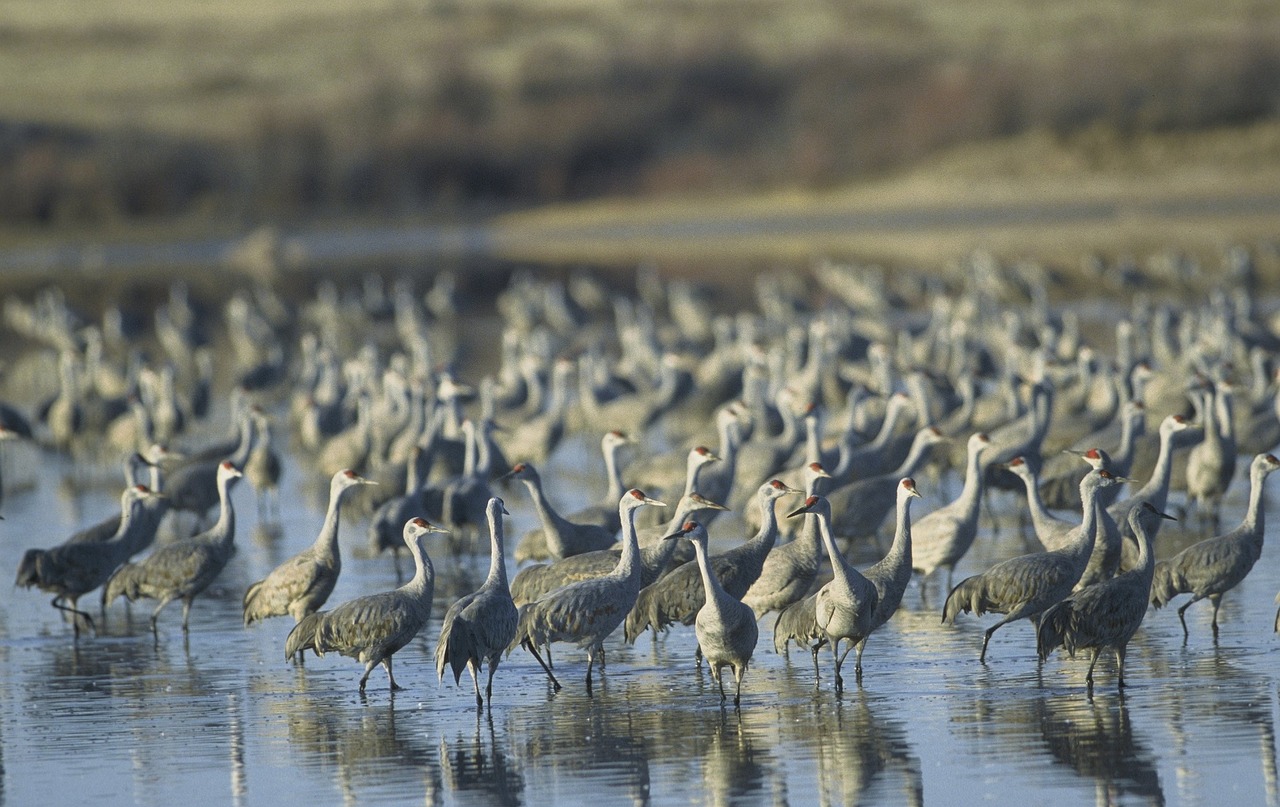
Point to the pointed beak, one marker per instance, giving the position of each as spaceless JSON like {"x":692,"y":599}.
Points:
{"x":797,"y":512}
{"x":655,"y":502}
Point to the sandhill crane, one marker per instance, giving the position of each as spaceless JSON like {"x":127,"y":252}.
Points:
{"x":1214,"y":566}
{"x":481,"y":625}
{"x":183,"y":569}
{"x":1024,"y":586}
{"x":1106,"y":614}
{"x":303,"y":583}
{"x":371,"y":629}
{"x":944,"y":536}
{"x":725,"y":627}
{"x":587,"y":611}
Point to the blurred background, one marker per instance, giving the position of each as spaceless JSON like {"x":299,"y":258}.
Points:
{"x":133,"y":119}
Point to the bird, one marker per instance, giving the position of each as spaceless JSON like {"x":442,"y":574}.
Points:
{"x":563,"y":538}
{"x":890,"y":576}
{"x":858,"y":509}
{"x":1211,"y":463}
{"x":1214,"y":566}
{"x":1051,"y":531}
{"x":678,"y":596}
{"x":302,"y":584}
{"x":844,"y":608}
{"x":1106,"y":614}
{"x":605,"y":512}
{"x":1175,"y":432}
{"x":724,"y":626}
{"x":372,"y":628}
{"x":185,"y":568}
{"x":790,"y":570}
{"x":942,"y":537}
{"x":587,"y":611}
{"x":75,"y":568}
{"x":1026,"y":585}
{"x":536,"y":579}
{"x":192,"y":486}
{"x":263,"y":469}
{"x":481,"y":625}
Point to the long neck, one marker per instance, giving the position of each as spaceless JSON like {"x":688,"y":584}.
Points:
{"x":838,"y":564}
{"x":1255,"y":514}
{"x":1156,"y":490}
{"x":1128,"y":437}
{"x":546,"y":513}
{"x":971,"y":493}
{"x":1040,"y":514}
{"x":691,"y":469}
{"x":1088,"y":534}
{"x":915,"y":458}
{"x":327,"y":540}
{"x":768,"y":533}
{"x":245,"y":445}
{"x":225,"y":528}
{"x":615,"y":475}
{"x":1146,"y":563}
{"x":900,"y":552}
{"x":629,"y":563}
{"x":812,"y":441}
{"x":423,"y":581}
{"x":497,"y":554}
{"x":1226,"y":424}
{"x":710,"y":583}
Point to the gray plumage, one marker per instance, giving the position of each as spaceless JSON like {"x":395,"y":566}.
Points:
{"x":942,"y":537}
{"x":1105,"y":615}
{"x":193,"y":486}
{"x":563,"y":538}
{"x":678,"y":596}
{"x":73,"y":569}
{"x":725,"y":627}
{"x":183,"y":569}
{"x":843,"y":609}
{"x":303,"y":583}
{"x":263,"y":469}
{"x":858,"y":509}
{"x":1214,"y":566}
{"x":605,"y":512}
{"x":1212,"y":463}
{"x":481,"y":625}
{"x":533,"y":581}
{"x":790,"y":570}
{"x":587,"y":611}
{"x":371,"y":629}
{"x":1175,"y":432}
{"x":1025,"y":586}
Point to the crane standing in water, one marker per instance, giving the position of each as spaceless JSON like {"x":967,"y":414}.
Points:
{"x":371,"y":629}
{"x":481,"y":625}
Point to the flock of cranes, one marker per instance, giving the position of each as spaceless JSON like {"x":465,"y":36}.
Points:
{"x":840,"y":391}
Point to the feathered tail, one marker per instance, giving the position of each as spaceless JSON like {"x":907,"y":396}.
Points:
{"x":126,"y":582}
{"x":303,"y":636}
{"x":797,"y":623}
{"x":969,"y":596}
{"x":29,"y":568}
{"x":454,"y":649}
{"x":647,"y":613}
{"x":1166,"y":584}
{"x":1054,"y":630}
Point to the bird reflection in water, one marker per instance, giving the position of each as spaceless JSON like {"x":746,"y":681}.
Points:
{"x":368,"y":745}
{"x":1094,"y":736}
{"x":478,"y":764}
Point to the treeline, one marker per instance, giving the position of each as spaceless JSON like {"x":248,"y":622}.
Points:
{"x":715,"y":115}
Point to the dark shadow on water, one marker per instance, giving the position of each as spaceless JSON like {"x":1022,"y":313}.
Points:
{"x":479,"y":766}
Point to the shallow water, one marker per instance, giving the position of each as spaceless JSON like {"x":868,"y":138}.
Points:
{"x":221,"y":717}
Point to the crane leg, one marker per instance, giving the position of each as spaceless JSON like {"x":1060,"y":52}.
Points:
{"x":738,"y":673}
{"x":1120,"y":667}
{"x":155,"y":615}
{"x":186,"y":616}
{"x":473,"y":667}
{"x":697,"y":657}
{"x":532,"y":648}
{"x":715,"y":673}
{"x":368,"y":668}
{"x":386,"y":663}
{"x":1182,"y":616}
{"x":1088,"y":677}
{"x":814,"y":651}
{"x":1216,"y":601}
{"x":840,"y":656}
{"x":857,"y":660}
{"x":488,"y":687}
{"x":591,"y":660}
{"x":76,"y":615}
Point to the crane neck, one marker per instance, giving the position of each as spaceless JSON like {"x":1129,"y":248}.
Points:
{"x":710,"y":583}
{"x":422,"y":584}
{"x":768,"y":533}
{"x":812,"y":441}
{"x":614,"y":473}
{"x":225,"y":528}
{"x":327,"y":540}
{"x":1082,"y":546}
{"x":1255,"y":514}
{"x":900,"y":551}
{"x":915,"y":458}
{"x":629,"y":562}
{"x":1040,"y":515}
{"x":1156,"y":490}
{"x":971,"y":494}
{"x":497,"y":553}
{"x":546,"y":513}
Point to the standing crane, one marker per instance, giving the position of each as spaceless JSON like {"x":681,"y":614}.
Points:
{"x":371,"y":629}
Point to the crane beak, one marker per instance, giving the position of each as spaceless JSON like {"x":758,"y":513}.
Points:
{"x":797,"y":512}
{"x":654,"y":502}
{"x":680,"y":533}
{"x":710,"y":505}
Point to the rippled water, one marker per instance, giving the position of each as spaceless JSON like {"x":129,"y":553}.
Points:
{"x":120,"y":719}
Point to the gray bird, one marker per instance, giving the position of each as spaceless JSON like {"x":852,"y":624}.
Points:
{"x":790,"y":570}
{"x":1214,"y":566}
{"x":1175,"y":432}
{"x":1107,"y":614}
{"x":944,"y":536}
{"x":605,"y":512}
{"x":890,"y":576}
{"x":563,"y":537}
{"x":1025,"y":586}
{"x":183,"y":569}
{"x":481,"y":625}
{"x":678,"y":596}
{"x":843,"y":609}
{"x":75,"y":568}
{"x":537,"y":579}
{"x":587,"y":611}
{"x":371,"y":629}
{"x":725,"y":627}
{"x":1212,"y":462}
{"x":303,"y":583}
